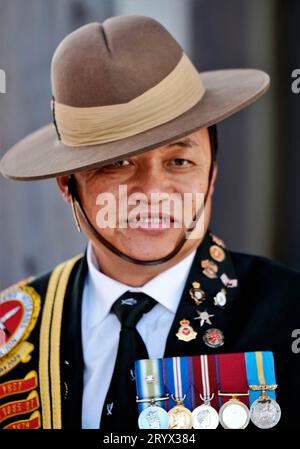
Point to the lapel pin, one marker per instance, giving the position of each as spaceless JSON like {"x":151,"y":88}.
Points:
{"x":220,"y":298}
{"x":210,"y":269}
{"x":230,"y":283}
{"x":129,"y":302}
{"x":217,"y":253}
{"x":197,"y":294}
{"x":213,"y":338}
{"x":186,"y":332}
{"x":204,"y":317}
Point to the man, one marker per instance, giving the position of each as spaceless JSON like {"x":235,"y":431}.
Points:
{"x":130,"y":110}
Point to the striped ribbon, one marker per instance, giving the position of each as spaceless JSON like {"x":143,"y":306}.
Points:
{"x":179,"y":378}
{"x":205,"y":379}
{"x":260,"y":371}
{"x":149,"y":381}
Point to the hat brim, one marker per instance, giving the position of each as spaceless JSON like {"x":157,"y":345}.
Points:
{"x":41,"y":155}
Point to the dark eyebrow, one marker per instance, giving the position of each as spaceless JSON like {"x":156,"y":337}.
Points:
{"x":186,"y":141}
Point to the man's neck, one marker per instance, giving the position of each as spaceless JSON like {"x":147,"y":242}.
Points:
{"x":132,"y":274}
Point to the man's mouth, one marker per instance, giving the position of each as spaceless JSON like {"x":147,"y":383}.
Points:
{"x":151,"y":222}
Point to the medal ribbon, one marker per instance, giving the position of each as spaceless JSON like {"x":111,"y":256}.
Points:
{"x":149,"y":381}
{"x":233,"y":376}
{"x":179,"y":379}
{"x":205,"y":377}
{"x":209,"y":379}
{"x":260,"y":371}
{"x":197,"y":379}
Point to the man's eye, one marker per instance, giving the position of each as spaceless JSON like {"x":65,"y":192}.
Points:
{"x":180,"y":162}
{"x":121,"y":163}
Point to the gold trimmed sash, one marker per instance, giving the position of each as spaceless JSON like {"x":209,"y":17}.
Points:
{"x":49,"y":362}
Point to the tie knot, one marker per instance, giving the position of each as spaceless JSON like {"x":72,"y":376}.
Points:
{"x":130,"y":307}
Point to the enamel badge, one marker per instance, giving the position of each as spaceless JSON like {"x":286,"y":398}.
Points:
{"x":217,"y":253}
{"x":229,"y":283}
{"x":186,"y":332}
{"x":19,"y":310}
{"x":210,"y":269}
{"x":197,"y":293}
{"x":213,"y":338}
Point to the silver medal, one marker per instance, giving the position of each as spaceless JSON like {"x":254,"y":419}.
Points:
{"x":205,"y":417}
{"x":265,"y":413}
{"x":234,"y":414}
{"x":153,"y":417}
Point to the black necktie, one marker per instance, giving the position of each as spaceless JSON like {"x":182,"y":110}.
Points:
{"x":120,"y":411}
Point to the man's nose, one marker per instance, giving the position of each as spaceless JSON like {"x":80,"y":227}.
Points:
{"x":152,"y":179}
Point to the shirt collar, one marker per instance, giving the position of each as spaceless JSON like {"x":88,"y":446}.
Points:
{"x":166,"y":288}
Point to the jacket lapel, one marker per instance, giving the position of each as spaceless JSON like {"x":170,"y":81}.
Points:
{"x":222,"y":318}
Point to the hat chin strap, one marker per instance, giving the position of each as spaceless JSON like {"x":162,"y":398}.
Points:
{"x":76,"y":204}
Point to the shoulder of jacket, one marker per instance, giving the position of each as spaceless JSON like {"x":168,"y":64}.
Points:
{"x":260,"y":266}
{"x":40,"y":281}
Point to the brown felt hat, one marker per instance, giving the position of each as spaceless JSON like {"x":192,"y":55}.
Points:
{"x":121,"y":88}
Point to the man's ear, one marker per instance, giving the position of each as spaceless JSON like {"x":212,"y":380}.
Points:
{"x":213,"y":178}
{"x":62,"y":182}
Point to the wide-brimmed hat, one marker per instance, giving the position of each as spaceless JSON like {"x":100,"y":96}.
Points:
{"x":121,"y":88}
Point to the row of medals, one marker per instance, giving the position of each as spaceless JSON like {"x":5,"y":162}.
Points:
{"x":234,"y":414}
{"x":264,"y":412}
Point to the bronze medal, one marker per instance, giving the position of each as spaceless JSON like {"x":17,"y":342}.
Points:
{"x":180,"y":416}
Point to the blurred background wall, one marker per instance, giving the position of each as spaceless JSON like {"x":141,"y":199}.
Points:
{"x":256,"y":199}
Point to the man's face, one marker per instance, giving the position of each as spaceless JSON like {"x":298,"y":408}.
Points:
{"x":177,"y":168}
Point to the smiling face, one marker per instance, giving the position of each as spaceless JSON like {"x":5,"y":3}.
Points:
{"x":178,"y":168}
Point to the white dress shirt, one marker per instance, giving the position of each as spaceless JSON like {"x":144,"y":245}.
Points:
{"x":100,"y":327}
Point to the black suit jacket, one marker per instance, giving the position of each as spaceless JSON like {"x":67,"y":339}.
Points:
{"x":260,"y":314}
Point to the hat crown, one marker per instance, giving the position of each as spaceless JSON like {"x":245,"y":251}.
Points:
{"x":113,"y":62}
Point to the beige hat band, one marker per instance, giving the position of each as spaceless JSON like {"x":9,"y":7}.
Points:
{"x":171,"y":97}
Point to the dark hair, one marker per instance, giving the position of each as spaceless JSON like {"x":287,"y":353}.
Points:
{"x":213,"y":136}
